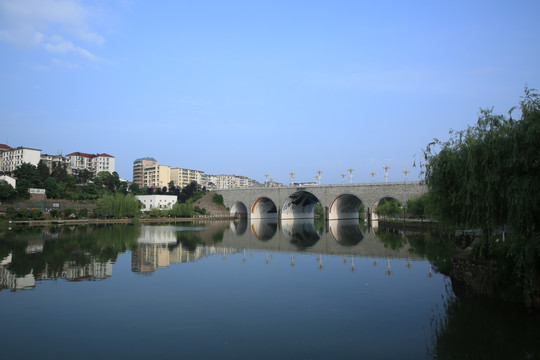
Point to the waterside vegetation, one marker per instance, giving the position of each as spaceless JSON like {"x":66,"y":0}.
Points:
{"x":487,"y":177}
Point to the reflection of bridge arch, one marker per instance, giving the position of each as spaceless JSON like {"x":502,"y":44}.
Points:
{"x":345,"y":206}
{"x":264,"y":208}
{"x":239,"y":209}
{"x":264,"y":229}
{"x":346,"y":232}
{"x":299,"y":205}
{"x":301,"y":233}
{"x":238,"y":227}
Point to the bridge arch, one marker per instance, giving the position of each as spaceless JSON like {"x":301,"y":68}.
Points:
{"x":264,"y":208}
{"x":345,"y":206}
{"x":299,"y":205}
{"x":239,"y":209}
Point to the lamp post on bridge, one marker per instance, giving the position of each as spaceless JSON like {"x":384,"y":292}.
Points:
{"x":406,"y":172}
{"x":292,"y":178}
{"x":319,"y":177}
{"x":343,"y":178}
{"x":266,"y":181}
{"x":386,"y":173}
{"x":350,"y":174}
{"x":372,"y":177}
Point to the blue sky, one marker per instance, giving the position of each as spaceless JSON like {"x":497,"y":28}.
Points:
{"x":255,"y":87}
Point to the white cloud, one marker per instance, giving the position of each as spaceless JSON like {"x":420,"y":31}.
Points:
{"x":47,"y":24}
{"x":65,"y":65}
{"x":57,"y":44}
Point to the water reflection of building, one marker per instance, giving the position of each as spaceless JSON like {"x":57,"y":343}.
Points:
{"x":9,"y":280}
{"x":148,"y":257}
{"x":71,"y":271}
{"x":157,"y":235}
{"x":93,"y":271}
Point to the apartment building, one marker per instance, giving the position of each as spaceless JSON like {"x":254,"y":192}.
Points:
{"x":156,"y":176}
{"x":12,"y":158}
{"x":92,"y":162}
{"x":53,"y":161}
{"x":182,"y":177}
{"x":139,"y":166}
{"x":217,"y":182}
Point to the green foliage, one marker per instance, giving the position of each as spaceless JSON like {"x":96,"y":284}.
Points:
{"x":188,"y":191}
{"x":52,"y":188}
{"x":218,"y":236}
{"x":181,"y":210}
{"x":29,"y":173}
{"x":420,"y":207}
{"x":155,"y":212}
{"x":218,"y":199}
{"x":59,"y":172}
{"x":488,"y":176}
{"x":23,"y":214}
{"x":388,"y":207}
{"x":109,"y":181}
{"x":135,"y":190}
{"x":200,"y":211}
{"x":22,"y":187}
{"x":319,"y":212}
{"x":69,"y":212}
{"x":84,"y":176}
{"x":11,"y":212}
{"x":82,"y":213}
{"x":7,"y":192}
{"x":43,"y":171}
{"x":391,"y":239}
{"x":117,"y":206}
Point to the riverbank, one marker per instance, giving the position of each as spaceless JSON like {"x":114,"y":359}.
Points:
{"x":410,"y":225}
{"x":471,"y":277}
{"x":91,"y":221}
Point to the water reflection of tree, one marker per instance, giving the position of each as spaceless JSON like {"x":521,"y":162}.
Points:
{"x":319,"y":225}
{"x":435,"y":247}
{"x":483,"y":329}
{"x":391,"y":239}
{"x":189,"y":240}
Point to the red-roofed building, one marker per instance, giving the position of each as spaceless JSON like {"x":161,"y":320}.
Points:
{"x":91,"y":162}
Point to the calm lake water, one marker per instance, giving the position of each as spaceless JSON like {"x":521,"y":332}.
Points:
{"x":263,"y":290}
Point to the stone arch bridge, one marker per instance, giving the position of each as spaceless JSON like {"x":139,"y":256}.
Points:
{"x":338,"y":201}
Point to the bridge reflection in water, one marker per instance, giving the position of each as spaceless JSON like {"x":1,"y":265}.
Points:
{"x":339,"y":237}
{"x":158,"y":246}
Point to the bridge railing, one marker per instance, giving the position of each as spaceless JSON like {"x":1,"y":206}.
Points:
{"x":337,"y":185}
